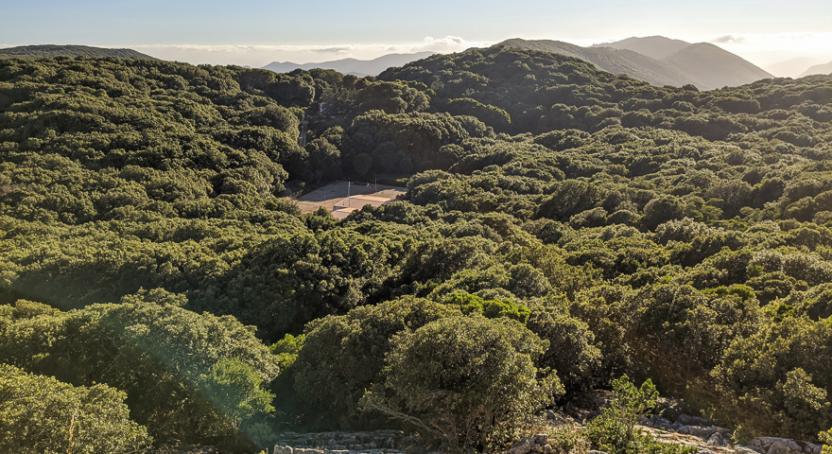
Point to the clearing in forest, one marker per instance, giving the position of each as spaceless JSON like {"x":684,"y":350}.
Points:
{"x":341,"y":198}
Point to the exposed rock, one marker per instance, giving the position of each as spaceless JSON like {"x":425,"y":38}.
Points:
{"x":688,"y":420}
{"x":708,"y":438}
{"x":774,"y":445}
{"x":702,"y":445}
{"x":698,"y":433}
{"x":744,"y":450}
{"x":691,"y":425}
{"x":535,"y":444}
{"x":377,"y":442}
{"x":719,"y":439}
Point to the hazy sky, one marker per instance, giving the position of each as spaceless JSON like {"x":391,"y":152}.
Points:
{"x":255,"y":32}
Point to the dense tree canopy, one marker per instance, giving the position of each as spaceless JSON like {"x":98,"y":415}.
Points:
{"x":561,"y":225}
{"x":43,"y":415}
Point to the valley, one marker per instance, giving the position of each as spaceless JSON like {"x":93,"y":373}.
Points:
{"x":624,"y":248}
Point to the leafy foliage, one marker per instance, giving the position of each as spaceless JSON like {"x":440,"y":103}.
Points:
{"x":41,"y":414}
{"x":465,"y":382}
{"x":614,"y":430}
{"x":187,"y":376}
{"x":587,"y":225}
{"x":342,"y":356}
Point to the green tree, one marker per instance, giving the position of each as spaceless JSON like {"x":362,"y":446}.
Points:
{"x":826,"y":439}
{"x":39,"y":414}
{"x":571,"y":352}
{"x":614,"y":430}
{"x":342,"y":356}
{"x":661,"y":210}
{"x":491,"y":308}
{"x":468,"y":383}
{"x":167,"y":359}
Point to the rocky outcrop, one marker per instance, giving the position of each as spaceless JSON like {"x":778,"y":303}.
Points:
{"x":774,"y":445}
{"x":377,"y":442}
{"x":711,"y":439}
{"x":537,"y":444}
{"x":697,"y":428}
{"x":698,"y":433}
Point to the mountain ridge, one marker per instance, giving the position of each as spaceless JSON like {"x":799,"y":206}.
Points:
{"x":658,"y":47}
{"x":793,"y":67}
{"x":704,"y":65}
{"x":615,"y":61}
{"x":70,"y":50}
{"x":698,"y":61}
{"x":354,"y":66}
{"x":824,"y":68}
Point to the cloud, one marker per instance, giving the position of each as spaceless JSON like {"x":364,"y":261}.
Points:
{"x":729,"y":39}
{"x":766,"y":49}
{"x":335,"y":50}
{"x":262,"y":54}
{"x":449,"y":44}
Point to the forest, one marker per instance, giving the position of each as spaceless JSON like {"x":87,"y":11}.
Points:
{"x":565,"y":230}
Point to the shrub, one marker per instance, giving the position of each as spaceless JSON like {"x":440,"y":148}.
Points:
{"x":287,"y":350}
{"x":776,"y":381}
{"x":234,"y":389}
{"x":40,"y":414}
{"x":491,"y":308}
{"x":661,"y":210}
{"x":342,"y":356}
{"x":826,"y":439}
{"x":168,"y":360}
{"x":466,"y":382}
{"x":614,"y":430}
{"x":571,"y":352}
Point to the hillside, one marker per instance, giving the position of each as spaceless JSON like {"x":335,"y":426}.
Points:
{"x":819,"y":69}
{"x":659,"y":60}
{"x":615,"y":61}
{"x":794,"y":67}
{"x":352,"y":66}
{"x":657,"y":47}
{"x":713,"y":67}
{"x":53,"y":50}
{"x":571,"y":245}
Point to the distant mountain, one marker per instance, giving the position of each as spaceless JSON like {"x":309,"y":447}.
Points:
{"x":709,"y":66}
{"x":354,"y":66}
{"x":616,"y":61}
{"x":819,"y":69}
{"x":713,"y":67}
{"x":657,"y":47}
{"x":659,"y":60}
{"x":794,"y":67}
{"x":69,"y":50}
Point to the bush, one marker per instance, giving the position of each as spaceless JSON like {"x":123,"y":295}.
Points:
{"x":465,"y":382}
{"x":234,"y":389}
{"x":342,"y":356}
{"x":188,"y":377}
{"x":571,"y":352}
{"x":679,"y":333}
{"x":614,"y":430}
{"x":804,"y":404}
{"x":661,"y":210}
{"x":40,"y":414}
{"x":826,"y":439}
{"x":491,"y":308}
{"x":776,"y":381}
